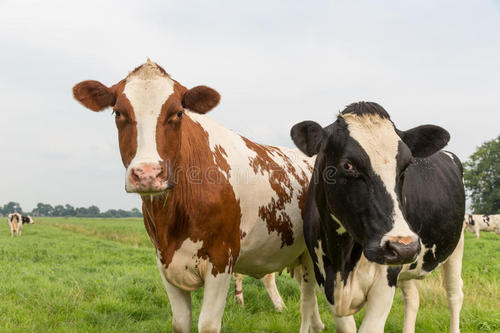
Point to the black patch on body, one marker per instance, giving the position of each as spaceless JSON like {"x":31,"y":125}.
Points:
{"x":25,"y":219}
{"x":435,"y":205}
{"x":392,"y":275}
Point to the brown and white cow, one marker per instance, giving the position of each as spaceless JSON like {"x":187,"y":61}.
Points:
{"x":15,"y":222}
{"x":214,"y":202}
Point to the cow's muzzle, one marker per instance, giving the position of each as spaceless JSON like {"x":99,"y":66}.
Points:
{"x":400,"y":251}
{"x":146,"y":178}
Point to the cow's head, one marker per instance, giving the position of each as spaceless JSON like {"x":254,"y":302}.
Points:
{"x":148,"y":106}
{"x":362,"y":161}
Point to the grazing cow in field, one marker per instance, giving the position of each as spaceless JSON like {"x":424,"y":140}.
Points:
{"x":27,"y":219}
{"x":472,"y":224}
{"x":491,"y":223}
{"x":476,"y":222}
{"x":384,"y":207}
{"x":269,"y":281}
{"x":15,"y":224}
{"x":214,"y":202}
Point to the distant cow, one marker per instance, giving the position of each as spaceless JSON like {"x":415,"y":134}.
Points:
{"x":482,"y":222}
{"x":383,"y":207}
{"x":15,"y":221}
{"x":491,"y":223}
{"x":27,"y":220}
{"x":472,"y":223}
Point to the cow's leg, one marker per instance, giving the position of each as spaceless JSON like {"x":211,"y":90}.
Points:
{"x":308,"y":299}
{"x":452,"y":281}
{"x":378,"y":306}
{"x":345,"y":324}
{"x":238,"y":289}
{"x":412,"y":301}
{"x":214,"y":301}
{"x":180,"y":301}
{"x":476,"y":230}
{"x":269,"y":281}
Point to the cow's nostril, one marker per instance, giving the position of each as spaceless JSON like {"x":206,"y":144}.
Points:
{"x":135,"y":176}
{"x":398,"y":252}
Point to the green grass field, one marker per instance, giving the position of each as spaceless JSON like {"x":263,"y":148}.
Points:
{"x":99,"y":275}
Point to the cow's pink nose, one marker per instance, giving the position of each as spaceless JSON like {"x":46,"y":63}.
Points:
{"x":146,"y":178}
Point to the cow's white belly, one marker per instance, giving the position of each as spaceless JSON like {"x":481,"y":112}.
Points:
{"x":261,"y":251}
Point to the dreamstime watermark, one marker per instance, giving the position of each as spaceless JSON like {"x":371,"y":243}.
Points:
{"x":215,"y":175}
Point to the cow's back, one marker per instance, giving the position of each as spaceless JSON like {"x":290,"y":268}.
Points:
{"x":270,"y":185}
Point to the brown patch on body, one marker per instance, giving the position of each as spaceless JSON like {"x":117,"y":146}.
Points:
{"x":221,"y":161}
{"x":274,"y":213}
{"x":193,"y":209}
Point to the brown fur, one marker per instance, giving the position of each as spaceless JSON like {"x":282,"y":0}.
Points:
{"x":274,"y":215}
{"x":193,"y":210}
{"x":201,"y":99}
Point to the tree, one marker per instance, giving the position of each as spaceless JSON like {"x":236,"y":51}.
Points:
{"x":70,"y":210}
{"x":43,"y":210}
{"x":12,"y":207}
{"x":482,"y":178}
{"x":59,"y":210}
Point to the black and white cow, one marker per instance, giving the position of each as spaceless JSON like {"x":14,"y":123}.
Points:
{"x":490,"y":223}
{"x":384,"y":207}
{"x":472,"y":223}
{"x":27,"y":219}
{"x":15,"y":224}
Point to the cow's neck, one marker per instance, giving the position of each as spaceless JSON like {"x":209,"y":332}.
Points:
{"x":188,"y":212}
{"x":342,"y":248}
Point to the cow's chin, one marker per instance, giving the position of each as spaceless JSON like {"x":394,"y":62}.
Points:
{"x":148,"y":191}
{"x":374,"y":254}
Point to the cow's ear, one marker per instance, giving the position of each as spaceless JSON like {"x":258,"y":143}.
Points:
{"x":200,"y":99}
{"x":307,"y":136}
{"x":425,"y":140}
{"x":94,"y":95}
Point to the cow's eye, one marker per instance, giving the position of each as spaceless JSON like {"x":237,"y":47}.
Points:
{"x":179,"y":114}
{"x":117,"y":113}
{"x":348,"y":166}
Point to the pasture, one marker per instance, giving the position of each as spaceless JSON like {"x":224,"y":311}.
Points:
{"x":99,"y":275}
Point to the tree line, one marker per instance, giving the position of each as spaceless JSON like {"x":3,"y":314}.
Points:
{"x":43,"y":209}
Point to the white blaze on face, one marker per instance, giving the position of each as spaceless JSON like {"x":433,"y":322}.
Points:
{"x":147,"y":90}
{"x":380,"y":141}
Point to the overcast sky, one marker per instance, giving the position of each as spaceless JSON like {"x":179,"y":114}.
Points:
{"x":275,"y":63}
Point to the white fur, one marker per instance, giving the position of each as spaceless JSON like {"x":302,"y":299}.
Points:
{"x":380,"y":142}
{"x":319,"y":255}
{"x":340,"y":230}
{"x":147,"y":97}
{"x":183,"y":270}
